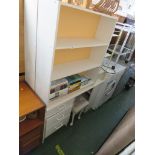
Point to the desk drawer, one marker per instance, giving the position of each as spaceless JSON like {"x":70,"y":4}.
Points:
{"x":50,"y":111}
{"x":51,"y":128}
{"x":59,"y":117}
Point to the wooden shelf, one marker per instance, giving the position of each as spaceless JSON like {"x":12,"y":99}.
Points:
{"x":28,"y":125}
{"x":28,"y":100}
{"x":78,"y":43}
{"x":67,"y":69}
{"x":87,"y":10}
{"x":71,"y":95}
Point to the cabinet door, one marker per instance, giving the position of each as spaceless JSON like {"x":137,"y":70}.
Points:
{"x":107,"y":92}
{"x":93,"y":96}
{"x":99,"y":95}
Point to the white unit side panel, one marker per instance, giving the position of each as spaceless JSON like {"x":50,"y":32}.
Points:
{"x":30,"y":26}
{"x":97,"y":54}
{"x":48,"y":12}
{"x":105,"y":29}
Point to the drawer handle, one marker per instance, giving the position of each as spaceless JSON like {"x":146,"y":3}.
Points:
{"x":61,"y":117}
{"x":58,"y":127}
{"x":61,"y":108}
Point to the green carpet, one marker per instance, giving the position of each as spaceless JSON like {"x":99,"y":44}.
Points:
{"x":87,"y":134}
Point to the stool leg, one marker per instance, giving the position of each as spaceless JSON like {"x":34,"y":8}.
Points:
{"x":80,"y":113}
{"x":86,"y":109}
{"x":73,"y":115}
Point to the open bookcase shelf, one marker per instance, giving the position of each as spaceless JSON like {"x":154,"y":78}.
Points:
{"x":63,"y":40}
{"x":63,"y":70}
{"x":91,"y":74}
{"x":82,"y":40}
{"x":78,"y":43}
{"x":73,"y":61}
{"x":79,"y":27}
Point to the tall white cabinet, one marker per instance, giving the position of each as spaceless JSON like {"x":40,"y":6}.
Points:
{"x":61,"y":40}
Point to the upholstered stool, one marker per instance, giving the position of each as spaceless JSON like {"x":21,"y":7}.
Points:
{"x":79,"y":106}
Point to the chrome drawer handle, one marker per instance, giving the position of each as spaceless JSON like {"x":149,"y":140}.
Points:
{"x":58,"y":127}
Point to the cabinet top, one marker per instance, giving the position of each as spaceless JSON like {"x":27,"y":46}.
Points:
{"x":28,"y":100}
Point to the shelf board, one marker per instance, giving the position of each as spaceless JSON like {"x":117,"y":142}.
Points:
{"x":70,"y":96}
{"x":78,"y":43}
{"x":28,"y":125}
{"x":71,"y":68}
{"x":87,"y":10}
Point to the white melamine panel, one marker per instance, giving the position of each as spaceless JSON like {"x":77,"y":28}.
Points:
{"x":98,"y":82}
{"x":97,"y":54}
{"x":77,"y":43}
{"x":30,"y":27}
{"x":105,"y":29}
{"x":92,"y":74}
{"x":48,"y":12}
{"x":67,"y":69}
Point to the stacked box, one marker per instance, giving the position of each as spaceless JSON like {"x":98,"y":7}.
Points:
{"x":58,"y":88}
{"x":74,"y":82}
{"x":84,"y":81}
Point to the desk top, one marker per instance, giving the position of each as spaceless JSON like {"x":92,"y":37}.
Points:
{"x":28,"y":100}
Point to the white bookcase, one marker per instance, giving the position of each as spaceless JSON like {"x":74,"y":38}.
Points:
{"x":61,"y":40}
